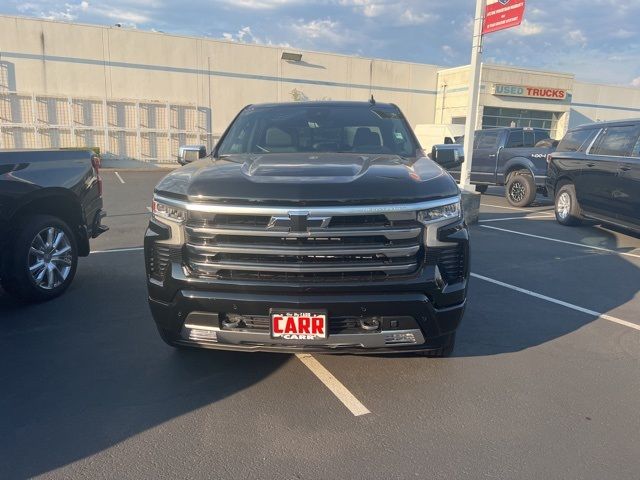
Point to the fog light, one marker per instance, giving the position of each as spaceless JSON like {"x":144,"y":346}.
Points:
{"x":200,"y":334}
{"x":395,"y":338}
{"x":370,"y":324}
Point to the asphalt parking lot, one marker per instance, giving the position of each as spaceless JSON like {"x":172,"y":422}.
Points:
{"x":543,"y":383}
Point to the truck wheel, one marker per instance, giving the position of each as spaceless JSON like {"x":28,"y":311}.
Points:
{"x":567,"y":208}
{"x":481,"y":188}
{"x":41,"y":261}
{"x":520,"y":188}
{"x":445,"y":350}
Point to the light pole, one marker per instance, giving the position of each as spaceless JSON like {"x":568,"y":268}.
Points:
{"x":474,"y":93}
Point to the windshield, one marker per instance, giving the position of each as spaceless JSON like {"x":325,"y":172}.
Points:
{"x":304,"y":128}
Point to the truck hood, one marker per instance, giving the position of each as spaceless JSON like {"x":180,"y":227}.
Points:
{"x":309,"y":178}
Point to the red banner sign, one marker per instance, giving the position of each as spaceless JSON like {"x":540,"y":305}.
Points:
{"x":501,"y":14}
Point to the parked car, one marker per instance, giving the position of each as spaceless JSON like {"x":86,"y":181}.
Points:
{"x":311,"y":227}
{"x":50,"y":206}
{"x":510,"y":157}
{"x":434,"y":134}
{"x":595,"y":174}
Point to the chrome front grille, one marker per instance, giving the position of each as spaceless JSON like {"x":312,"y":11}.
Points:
{"x":303,"y":245}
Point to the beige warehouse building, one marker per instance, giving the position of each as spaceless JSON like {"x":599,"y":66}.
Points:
{"x":141,"y":94}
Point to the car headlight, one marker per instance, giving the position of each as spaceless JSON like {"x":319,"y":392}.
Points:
{"x":162,"y":211}
{"x":450,"y":210}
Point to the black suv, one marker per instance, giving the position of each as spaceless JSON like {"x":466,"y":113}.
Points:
{"x":595,"y":174}
{"x":311,"y":227}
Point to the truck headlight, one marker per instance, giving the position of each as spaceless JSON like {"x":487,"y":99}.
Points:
{"x":162,"y":211}
{"x":443,"y":212}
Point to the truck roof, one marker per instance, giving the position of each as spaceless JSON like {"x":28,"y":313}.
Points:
{"x":513,"y":129}
{"x":328,"y":103}
{"x":610,"y":123}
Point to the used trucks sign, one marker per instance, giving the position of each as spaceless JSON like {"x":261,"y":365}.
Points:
{"x":532,"y":92}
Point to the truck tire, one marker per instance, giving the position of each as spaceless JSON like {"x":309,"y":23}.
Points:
{"x":41,"y":260}
{"x":445,"y":350}
{"x":520,"y":188}
{"x":567,"y":208}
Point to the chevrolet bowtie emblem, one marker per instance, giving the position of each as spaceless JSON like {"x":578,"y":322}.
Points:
{"x":298,"y":222}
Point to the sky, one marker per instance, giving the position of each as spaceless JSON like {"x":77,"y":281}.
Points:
{"x":597,"y":40}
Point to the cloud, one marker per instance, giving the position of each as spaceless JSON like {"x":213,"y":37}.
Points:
{"x":246,"y":35}
{"x":575,"y":37}
{"x":622,"y":33}
{"x":368,"y":8}
{"x":527,"y":29}
{"x":447,"y":50}
{"x":568,"y":36}
{"x":410,"y":17}
{"x":261,"y":4}
{"x":77,"y":11}
{"x":325,"y":30}
{"x":397,"y":13}
{"x":66,"y":12}
{"x":635,"y":82}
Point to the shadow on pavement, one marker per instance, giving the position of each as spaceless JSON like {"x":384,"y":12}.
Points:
{"x":88,"y":370}
{"x":499,"y":320}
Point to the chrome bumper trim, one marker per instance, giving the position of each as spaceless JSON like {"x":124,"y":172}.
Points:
{"x":257,"y":340}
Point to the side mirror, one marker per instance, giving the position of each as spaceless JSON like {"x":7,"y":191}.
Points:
{"x":448,"y":155}
{"x":191,"y":153}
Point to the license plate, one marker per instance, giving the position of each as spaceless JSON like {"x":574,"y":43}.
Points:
{"x":298,"y":325}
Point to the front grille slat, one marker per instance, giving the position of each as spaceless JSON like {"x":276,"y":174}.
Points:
{"x":366,"y":247}
{"x":389,"y":252}
{"x":301,"y":268}
{"x":389,"y":233}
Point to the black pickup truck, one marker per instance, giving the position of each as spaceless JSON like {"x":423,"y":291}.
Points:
{"x":311,"y":227}
{"x":513,"y":157}
{"x":50,"y":206}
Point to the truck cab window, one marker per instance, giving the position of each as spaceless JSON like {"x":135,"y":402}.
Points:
{"x":487,"y":139}
{"x":529,"y":139}
{"x":515,"y":140}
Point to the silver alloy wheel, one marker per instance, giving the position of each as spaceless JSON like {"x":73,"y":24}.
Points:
{"x":50,"y":258}
{"x":563,"y":205}
{"x":517,"y":191}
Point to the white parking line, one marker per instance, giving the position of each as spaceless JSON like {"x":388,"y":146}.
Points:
{"x":513,"y":218}
{"x":119,"y":177}
{"x":118,"y":250}
{"x":583,"y":245}
{"x":515,"y":208}
{"x":332,"y":383}
{"x":609,"y":318}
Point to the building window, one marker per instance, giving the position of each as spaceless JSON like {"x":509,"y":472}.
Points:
{"x":513,"y":117}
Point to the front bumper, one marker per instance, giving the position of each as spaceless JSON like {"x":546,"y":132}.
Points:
{"x":408,"y":321}
{"x":191,"y":311}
